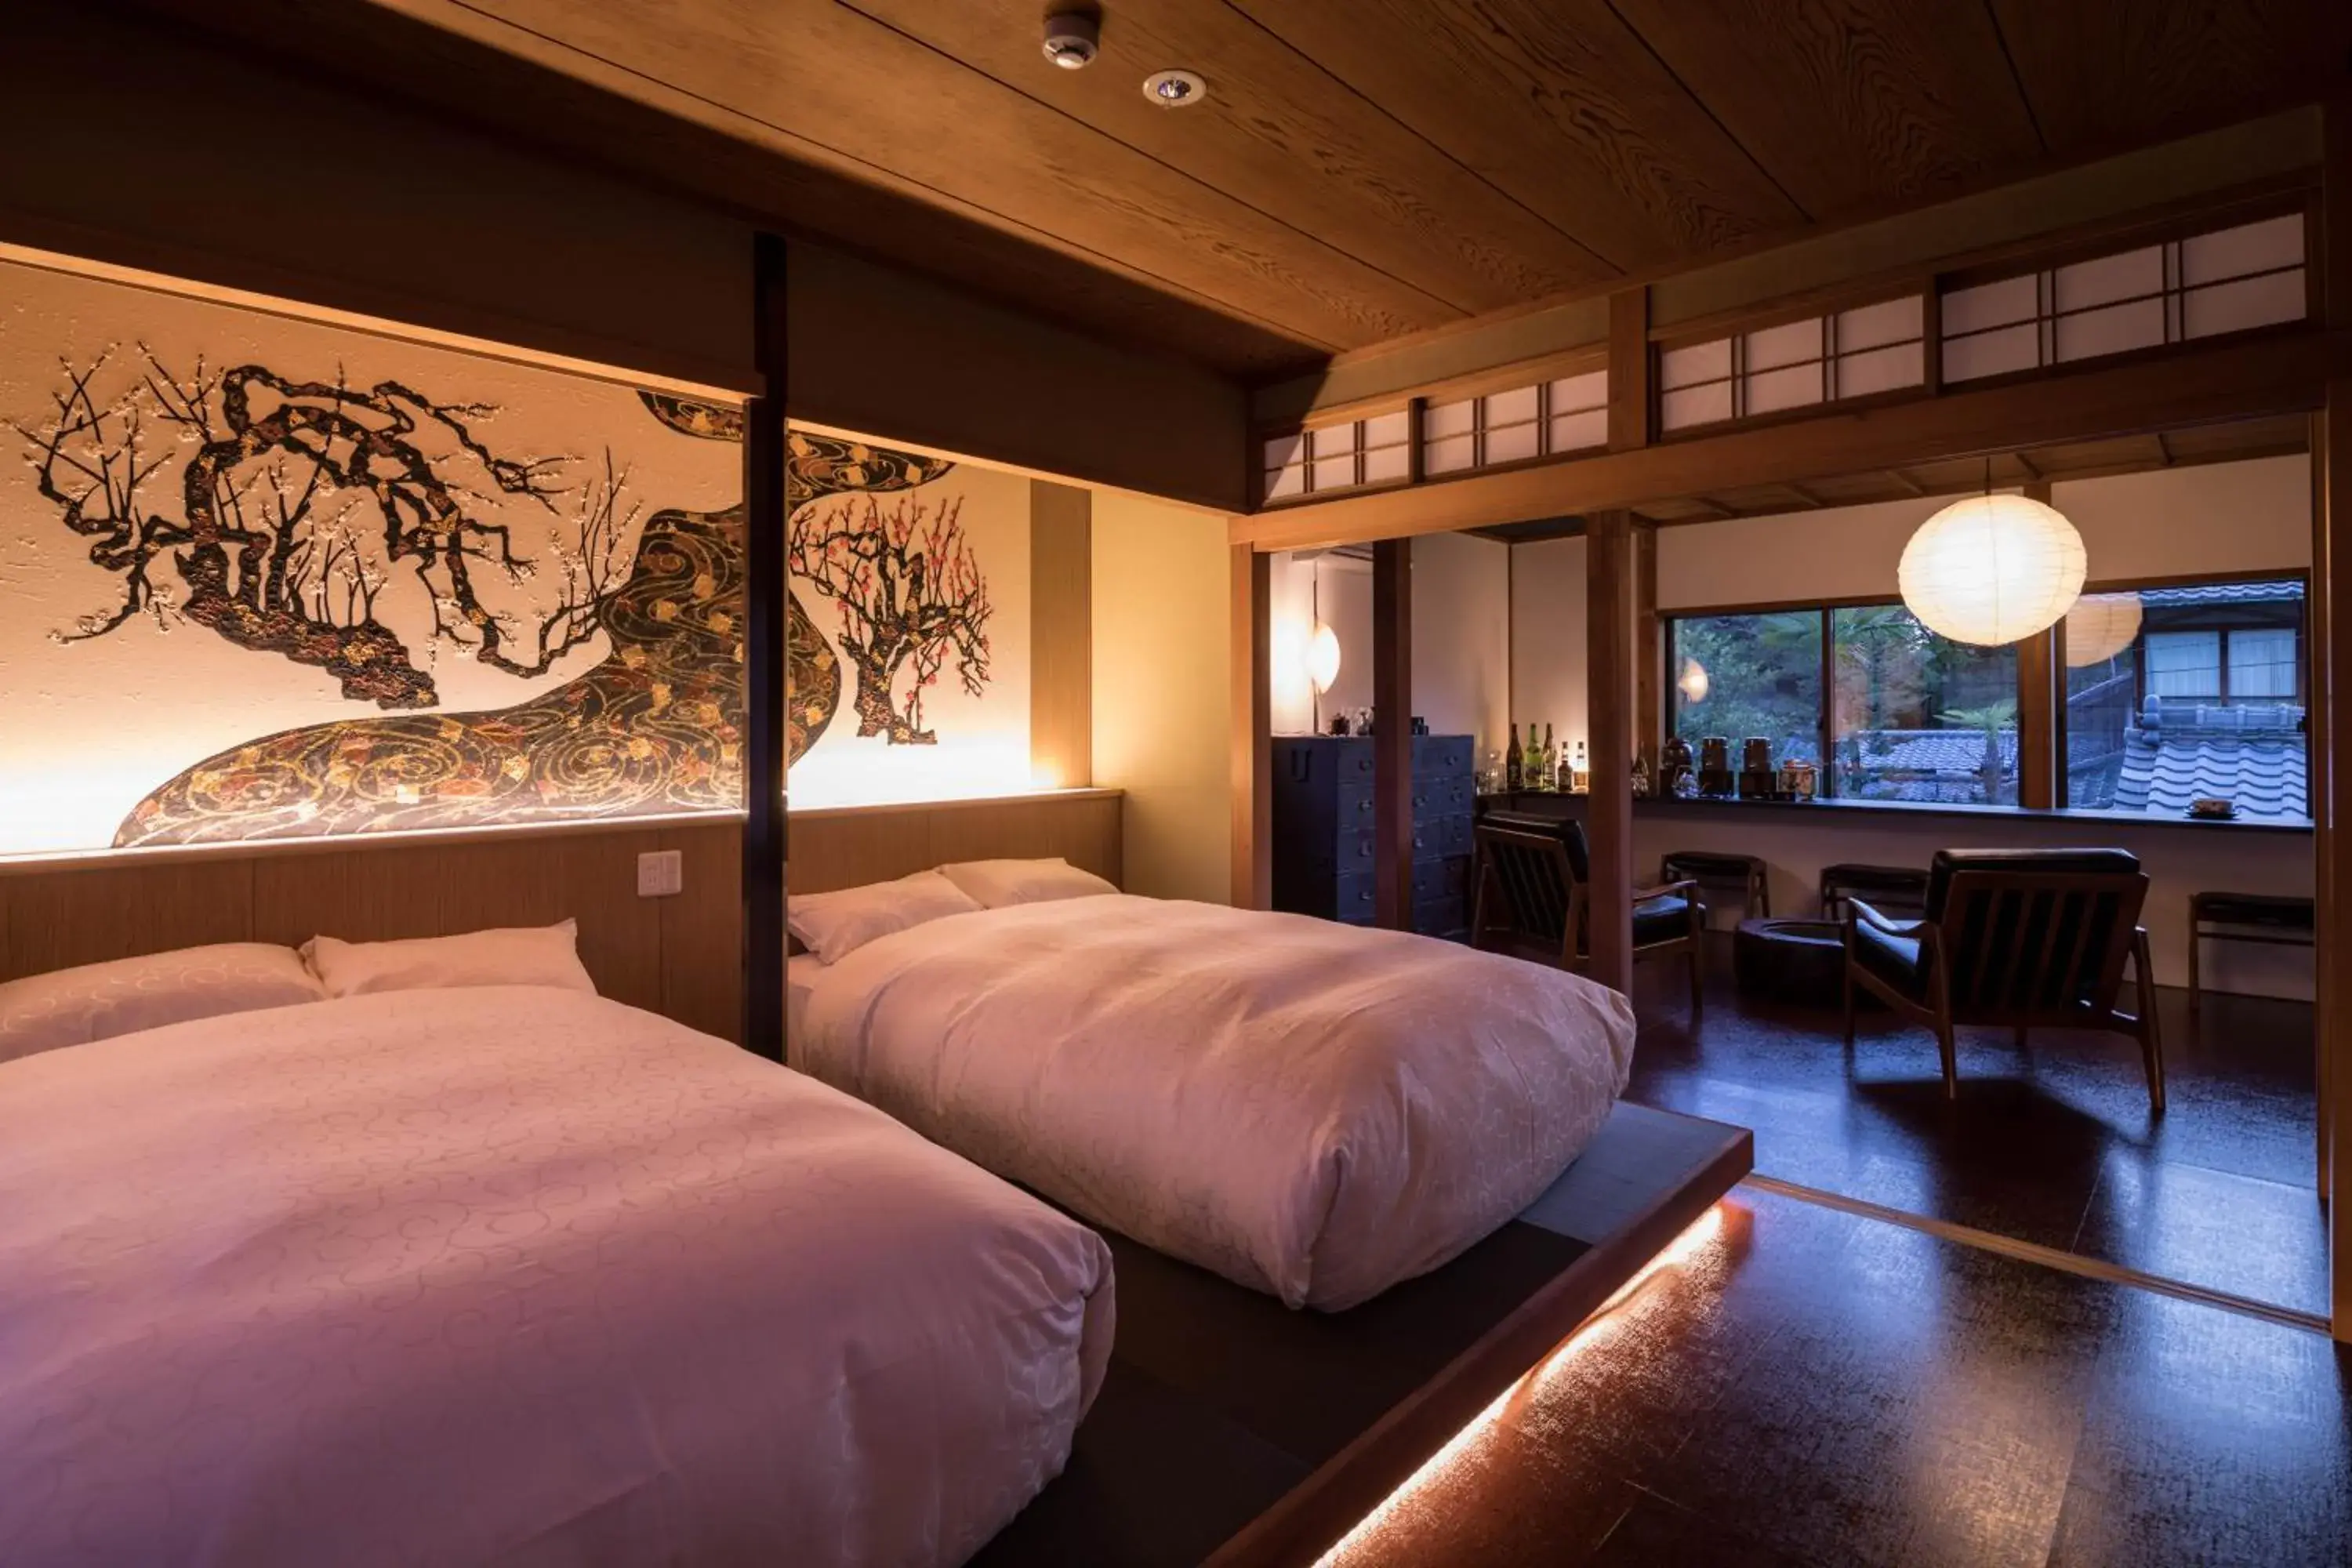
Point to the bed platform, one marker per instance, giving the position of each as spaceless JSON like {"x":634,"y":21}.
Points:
{"x":1233,"y":1431}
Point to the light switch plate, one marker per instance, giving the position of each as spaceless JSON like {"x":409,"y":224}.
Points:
{"x":660,"y":873}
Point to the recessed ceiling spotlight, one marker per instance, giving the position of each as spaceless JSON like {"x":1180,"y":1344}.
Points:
{"x":1072,"y":40}
{"x":1174,"y":88}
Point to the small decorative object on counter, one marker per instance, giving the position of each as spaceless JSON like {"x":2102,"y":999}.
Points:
{"x":1674,"y":765}
{"x":1641,"y":778}
{"x":2211,"y":808}
{"x":1420,"y":725}
{"x":1580,"y":776}
{"x":1339,"y":723}
{"x":1797,"y":779}
{"x":1757,"y":777}
{"x":1715,"y":766}
{"x":1686,"y":785}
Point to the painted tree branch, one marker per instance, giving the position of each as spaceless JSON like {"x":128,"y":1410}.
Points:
{"x":910,"y":590}
{"x":297,"y":502}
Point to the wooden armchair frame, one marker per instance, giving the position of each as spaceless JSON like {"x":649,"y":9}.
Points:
{"x":1993,"y":956}
{"x":1527,"y":871}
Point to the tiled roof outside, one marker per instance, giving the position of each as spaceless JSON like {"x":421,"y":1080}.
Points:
{"x":2283,"y":591}
{"x":2255,"y":757}
{"x":1933,"y":766}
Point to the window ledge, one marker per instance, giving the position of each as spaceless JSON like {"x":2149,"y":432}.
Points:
{"x":1670,"y":807}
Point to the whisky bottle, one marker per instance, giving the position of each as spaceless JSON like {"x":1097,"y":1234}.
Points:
{"x":1579,"y":776}
{"x":1513,"y":765}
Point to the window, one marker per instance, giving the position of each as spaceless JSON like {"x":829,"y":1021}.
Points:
{"x":1909,"y":716}
{"x":1918,"y":717}
{"x":1739,"y":677}
{"x":1821,"y":359}
{"x":2206,"y":699}
{"x":1568,"y":414}
{"x":1339,"y":457}
{"x":2225,"y":281}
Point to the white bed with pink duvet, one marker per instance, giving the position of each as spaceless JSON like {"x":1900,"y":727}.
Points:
{"x":510,"y":1273}
{"x":1312,"y":1110}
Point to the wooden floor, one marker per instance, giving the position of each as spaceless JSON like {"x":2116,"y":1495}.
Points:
{"x":2052,"y":1146}
{"x":1811,"y":1387}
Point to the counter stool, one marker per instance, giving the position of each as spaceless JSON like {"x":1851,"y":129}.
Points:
{"x":1710,"y":870}
{"x":2262,"y":918}
{"x":1891,"y":888}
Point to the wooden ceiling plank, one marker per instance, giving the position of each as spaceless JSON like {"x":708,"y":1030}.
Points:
{"x":802,"y":75}
{"x":1277,"y":132}
{"x":1556,"y":102}
{"x":2102,"y":74}
{"x":1850,"y":104}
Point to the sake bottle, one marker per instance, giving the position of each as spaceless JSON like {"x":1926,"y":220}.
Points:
{"x":1550,"y":767}
{"x":1513,"y":765}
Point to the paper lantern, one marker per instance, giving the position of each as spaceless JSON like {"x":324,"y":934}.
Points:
{"x":1323,"y":657}
{"x":2100,"y":627}
{"x":1693,"y":682}
{"x":1991,"y":569}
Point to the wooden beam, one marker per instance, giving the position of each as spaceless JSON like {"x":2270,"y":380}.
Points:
{"x":1392,"y":733}
{"x":1629,"y":370}
{"x":2033,"y":474}
{"x":1061,"y":635}
{"x":2039,"y":696}
{"x":1251,"y":618}
{"x":766,"y":669}
{"x":1609,"y":696}
{"x":1649,"y":657}
{"x":2283,"y":374}
{"x":1907,"y":481}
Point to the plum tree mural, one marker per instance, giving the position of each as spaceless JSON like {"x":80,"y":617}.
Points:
{"x":277,"y":513}
{"x":911,"y":592}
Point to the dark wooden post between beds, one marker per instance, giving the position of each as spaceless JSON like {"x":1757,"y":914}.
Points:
{"x":765,"y":591}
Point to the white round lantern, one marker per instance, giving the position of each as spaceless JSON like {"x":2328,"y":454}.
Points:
{"x":1323,"y":657}
{"x":1992,"y":568}
{"x":2100,"y":627}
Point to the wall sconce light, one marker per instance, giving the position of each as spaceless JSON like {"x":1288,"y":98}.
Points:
{"x":1693,"y":682}
{"x":1323,"y":657}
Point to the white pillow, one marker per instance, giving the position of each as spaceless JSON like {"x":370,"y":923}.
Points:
{"x":96,"y":1001}
{"x":834,"y":925}
{"x":996,"y":883}
{"x":512,"y":955}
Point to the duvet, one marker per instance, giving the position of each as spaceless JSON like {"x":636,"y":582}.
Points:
{"x":510,"y":1275}
{"x":1312,"y":1110}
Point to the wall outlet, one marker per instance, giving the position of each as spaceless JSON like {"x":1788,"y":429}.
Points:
{"x":660,"y":874}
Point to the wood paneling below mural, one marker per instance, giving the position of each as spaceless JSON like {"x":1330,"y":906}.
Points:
{"x":679,"y":955}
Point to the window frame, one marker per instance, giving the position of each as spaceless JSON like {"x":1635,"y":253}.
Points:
{"x":2040,"y":706}
{"x":2304,"y":674}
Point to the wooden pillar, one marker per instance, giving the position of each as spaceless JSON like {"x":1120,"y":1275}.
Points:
{"x":2332,"y":777}
{"x":1629,"y":369}
{"x":765,"y":667}
{"x":1251,"y":685}
{"x":1392,"y":733}
{"x":1648,"y":656}
{"x":1609,"y":698}
{"x":2039,"y":689}
{"x":1061,"y":635}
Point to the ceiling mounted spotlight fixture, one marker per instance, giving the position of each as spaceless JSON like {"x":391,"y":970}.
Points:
{"x":1174,"y":88}
{"x":1072,"y":38}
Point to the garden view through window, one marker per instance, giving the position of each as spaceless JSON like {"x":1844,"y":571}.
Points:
{"x":2172,"y":694}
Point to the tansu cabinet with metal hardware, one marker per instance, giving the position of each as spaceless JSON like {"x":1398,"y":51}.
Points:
{"x":1323,"y":829}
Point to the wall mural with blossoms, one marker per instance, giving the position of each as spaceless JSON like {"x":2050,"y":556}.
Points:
{"x":270,"y":578}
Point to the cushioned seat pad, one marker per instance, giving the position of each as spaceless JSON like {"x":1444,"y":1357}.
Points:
{"x":1894,"y":959}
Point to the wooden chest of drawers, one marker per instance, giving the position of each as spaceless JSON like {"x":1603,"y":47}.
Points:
{"x":1323,"y":829}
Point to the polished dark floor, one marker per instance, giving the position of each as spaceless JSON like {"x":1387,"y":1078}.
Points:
{"x":1807,"y":1386}
{"x":2053,"y":1145}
